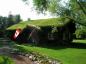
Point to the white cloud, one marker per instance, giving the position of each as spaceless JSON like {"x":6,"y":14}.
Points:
{"x":18,"y":7}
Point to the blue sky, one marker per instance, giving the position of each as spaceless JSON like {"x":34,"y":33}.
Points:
{"x":19,"y":7}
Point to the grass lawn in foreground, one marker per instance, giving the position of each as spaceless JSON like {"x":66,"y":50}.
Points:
{"x":66,"y":55}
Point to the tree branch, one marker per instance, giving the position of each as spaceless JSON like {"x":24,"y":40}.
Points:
{"x":81,"y":7}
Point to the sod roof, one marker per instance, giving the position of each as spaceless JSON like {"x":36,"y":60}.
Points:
{"x":41,"y":23}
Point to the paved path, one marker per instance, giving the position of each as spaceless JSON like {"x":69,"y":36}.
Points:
{"x":18,"y":59}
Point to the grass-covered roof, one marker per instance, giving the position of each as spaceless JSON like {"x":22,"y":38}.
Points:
{"x":41,"y":23}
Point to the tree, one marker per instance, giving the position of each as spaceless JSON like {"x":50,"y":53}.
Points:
{"x":13,"y":19}
{"x":78,"y":11}
{"x":10,"y":20}
{"x":75,"y":9}
{"x":17,"y":18}
{"x":3,"y":22}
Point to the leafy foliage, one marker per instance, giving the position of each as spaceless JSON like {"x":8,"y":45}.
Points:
{"x":75,"y":9}
{"x":6,"y":60}
{"x":8,"y":21}
{"x":81,"y":32}
{"x":40,"y":5}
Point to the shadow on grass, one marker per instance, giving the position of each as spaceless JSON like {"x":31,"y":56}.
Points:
{"x":63,"y":46}
{"x":77,"y":45}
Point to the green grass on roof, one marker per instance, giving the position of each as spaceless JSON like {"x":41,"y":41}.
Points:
{"x":40,"y":22}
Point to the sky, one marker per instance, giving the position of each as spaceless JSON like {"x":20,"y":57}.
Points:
{"x":18,"y":7}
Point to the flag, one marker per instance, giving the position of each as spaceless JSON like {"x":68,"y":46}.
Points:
{"x":17,"y":32}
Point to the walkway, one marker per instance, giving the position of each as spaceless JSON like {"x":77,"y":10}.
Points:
{"x":6,"y":50}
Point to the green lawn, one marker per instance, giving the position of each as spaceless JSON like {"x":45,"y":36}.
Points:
{"x":66,"y":55}
{"x":79,"y":41}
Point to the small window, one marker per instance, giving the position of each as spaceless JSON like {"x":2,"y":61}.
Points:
{"x":50,"y":36}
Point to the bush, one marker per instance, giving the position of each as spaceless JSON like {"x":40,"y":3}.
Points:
{"x":10,"y":33}
{"x":6,"y":60}
{"x":80,"y":33}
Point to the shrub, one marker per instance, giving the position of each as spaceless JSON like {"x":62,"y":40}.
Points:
{"x":80,"y":33}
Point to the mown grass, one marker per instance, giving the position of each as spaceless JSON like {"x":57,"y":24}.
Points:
{"x":40,"y":22}
{"x":79,"y":41}
{"x":66,"y":55}
{"x":6,"y":60}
